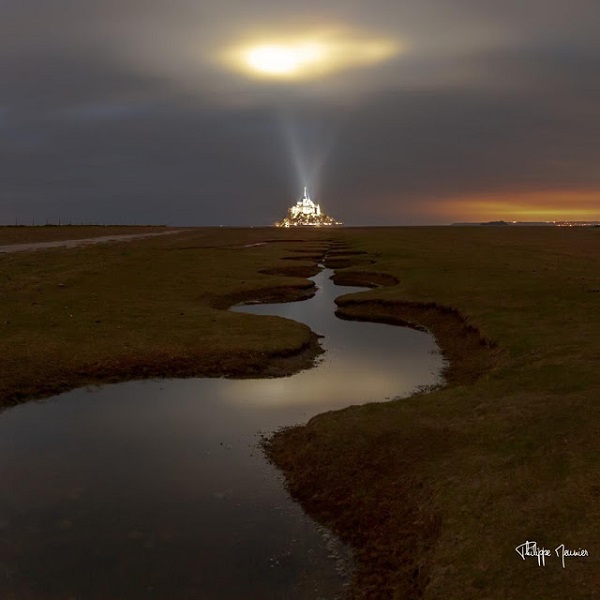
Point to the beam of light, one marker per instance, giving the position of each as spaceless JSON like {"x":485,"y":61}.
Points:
{"x":292,"y":59}
{"x":309,"y":142}
{"x":310,"y":57}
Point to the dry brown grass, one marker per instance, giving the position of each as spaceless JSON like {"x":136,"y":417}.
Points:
{"x":434,"y":491}
{"x":149,"y":308}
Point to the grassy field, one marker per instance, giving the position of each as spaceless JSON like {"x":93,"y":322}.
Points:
{"x":434,"y":492}
{"x":146,"y":308}
{"x":438,"y":490}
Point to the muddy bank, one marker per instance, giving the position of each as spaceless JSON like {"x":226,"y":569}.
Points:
{"x":469,"y":354}
{"x":161,"y":364}
{"x":171,"y":363}
{"x":365,"y":278}
{"x":360,"y":471}
{"x":365,"y":486}
{"x":299,"y":290}
{"x":303,"y":271}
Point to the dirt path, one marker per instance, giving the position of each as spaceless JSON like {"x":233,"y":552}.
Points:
{"x":83,"y":242}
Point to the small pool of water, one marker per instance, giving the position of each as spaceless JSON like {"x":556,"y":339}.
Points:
{"x":156,"y":489}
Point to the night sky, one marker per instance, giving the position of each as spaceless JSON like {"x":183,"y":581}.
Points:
{"x":213,"y":112}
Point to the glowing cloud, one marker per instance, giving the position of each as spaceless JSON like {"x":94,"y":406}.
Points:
{"x":305,"y":58}
{"x":283,"y":60}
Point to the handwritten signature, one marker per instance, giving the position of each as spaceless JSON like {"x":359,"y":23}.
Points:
{"x":532,"y":550}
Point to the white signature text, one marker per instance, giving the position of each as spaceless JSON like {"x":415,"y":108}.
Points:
{"x":532,"y":550}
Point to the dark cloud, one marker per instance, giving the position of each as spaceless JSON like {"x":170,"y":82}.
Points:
{"x":121,"y":111}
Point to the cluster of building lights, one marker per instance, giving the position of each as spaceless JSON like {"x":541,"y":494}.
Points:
{"x":305,"y":213}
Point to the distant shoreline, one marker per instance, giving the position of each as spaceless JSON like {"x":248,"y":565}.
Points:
{"x":530,"y":224}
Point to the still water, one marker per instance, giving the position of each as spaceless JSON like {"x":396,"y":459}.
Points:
{"x":156,"y":489}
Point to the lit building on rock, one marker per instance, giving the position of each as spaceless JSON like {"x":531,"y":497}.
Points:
{"x":306,"y":213}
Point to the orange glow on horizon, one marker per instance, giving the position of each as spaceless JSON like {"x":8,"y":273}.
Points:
{"x":578,"y":205}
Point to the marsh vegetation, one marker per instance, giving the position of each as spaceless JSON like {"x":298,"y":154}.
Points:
{"x":434,"y":492}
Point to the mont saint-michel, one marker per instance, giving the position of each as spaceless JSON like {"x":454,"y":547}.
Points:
{"x":306,"y":213}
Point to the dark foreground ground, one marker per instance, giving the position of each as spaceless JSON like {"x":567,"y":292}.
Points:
{"x":434,"y":492}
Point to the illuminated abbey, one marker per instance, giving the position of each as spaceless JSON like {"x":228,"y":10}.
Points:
{"x":306,"y":213}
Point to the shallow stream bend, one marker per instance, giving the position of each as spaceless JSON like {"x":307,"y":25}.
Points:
{"x":156,"y":489}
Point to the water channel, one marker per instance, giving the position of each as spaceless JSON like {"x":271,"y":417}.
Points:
{"x":157,"y":489}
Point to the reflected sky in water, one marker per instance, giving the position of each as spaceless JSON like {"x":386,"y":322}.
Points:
{"x":156,"y":489}
{"x":364,"y":362}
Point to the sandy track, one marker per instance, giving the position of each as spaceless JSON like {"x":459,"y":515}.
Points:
{"x":83,"y":242}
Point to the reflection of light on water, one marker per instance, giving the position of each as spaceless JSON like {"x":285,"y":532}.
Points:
{"x":328,"y":386}
{"x":363,"y":362}
{"x":173,"y":463}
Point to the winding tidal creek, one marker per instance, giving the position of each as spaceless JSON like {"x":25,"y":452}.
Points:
{"x":157,"y":489}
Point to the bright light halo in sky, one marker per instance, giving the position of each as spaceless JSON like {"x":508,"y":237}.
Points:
{"x":306,"y":58}
{"x":278,"y":60}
